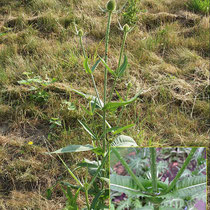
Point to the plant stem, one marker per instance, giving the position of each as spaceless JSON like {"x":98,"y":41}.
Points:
{"x":82,"y":46}
{"x":134,"y":177}
{"x":105,"y":78}
{"x":120,"y":57}
{"x":153,"y":168}
{"x":86,"y":198}
{"x":187,"y":161}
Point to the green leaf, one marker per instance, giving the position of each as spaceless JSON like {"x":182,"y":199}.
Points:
{"x":96,"y":200}
{"x":98,"y":151}
{"x":91,"y":165}
{"x":105,"y":179}
{"x":123,"y":141}
{"x":88,"y":130}
{"x":49,"y":194}
{"x":107,"y":67}
{"x":3,"y":34}
{"x":146,"y":208}
{"x":177,"y":203}
{"x":114,"y":105}
{"x":88,"y":163}
{"x":86,"y":66}
{"x":125,"y":184}
{"x":119,"y":96}
{"x":70,"y":106}
{"x":106,"y":120}
{"x":23,"y":82}
{"x":87,"y":111}
{"x":97,"y":103}
{"x":188,"y":187}
{"x":95,"y":65}
{"x":122,"y":68}
{"x":93,"y":99}
{"x":120,"y":129}
{"x":73,"y":148}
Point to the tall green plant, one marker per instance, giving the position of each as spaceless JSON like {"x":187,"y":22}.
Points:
{"x":99,"y":169}
{"x":160,"y":194}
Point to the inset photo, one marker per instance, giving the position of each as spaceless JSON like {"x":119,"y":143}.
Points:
{"x":158,"y":178}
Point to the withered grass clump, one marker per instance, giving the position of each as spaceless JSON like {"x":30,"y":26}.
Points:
{"x":167,"y":53}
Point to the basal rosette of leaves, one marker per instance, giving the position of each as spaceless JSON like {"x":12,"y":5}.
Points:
{"x":139,"y":192}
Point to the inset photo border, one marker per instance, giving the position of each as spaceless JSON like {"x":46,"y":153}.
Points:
{"x":158,"y":178}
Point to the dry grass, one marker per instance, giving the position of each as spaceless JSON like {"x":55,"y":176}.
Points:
{"x":168,"y":55}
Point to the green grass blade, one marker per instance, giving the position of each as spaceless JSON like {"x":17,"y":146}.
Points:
{"x":121,"y":129}
{"x":86,"y":66}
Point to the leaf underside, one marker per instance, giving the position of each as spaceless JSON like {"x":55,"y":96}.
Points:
{"x":124,"y":141}
{"x":74,"y":148}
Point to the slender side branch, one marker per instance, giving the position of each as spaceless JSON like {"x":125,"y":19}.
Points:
{"x":187,"y":161}
{"x":134,"y":177}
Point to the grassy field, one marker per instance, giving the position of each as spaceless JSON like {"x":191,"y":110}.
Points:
{"x":41,"y":60}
